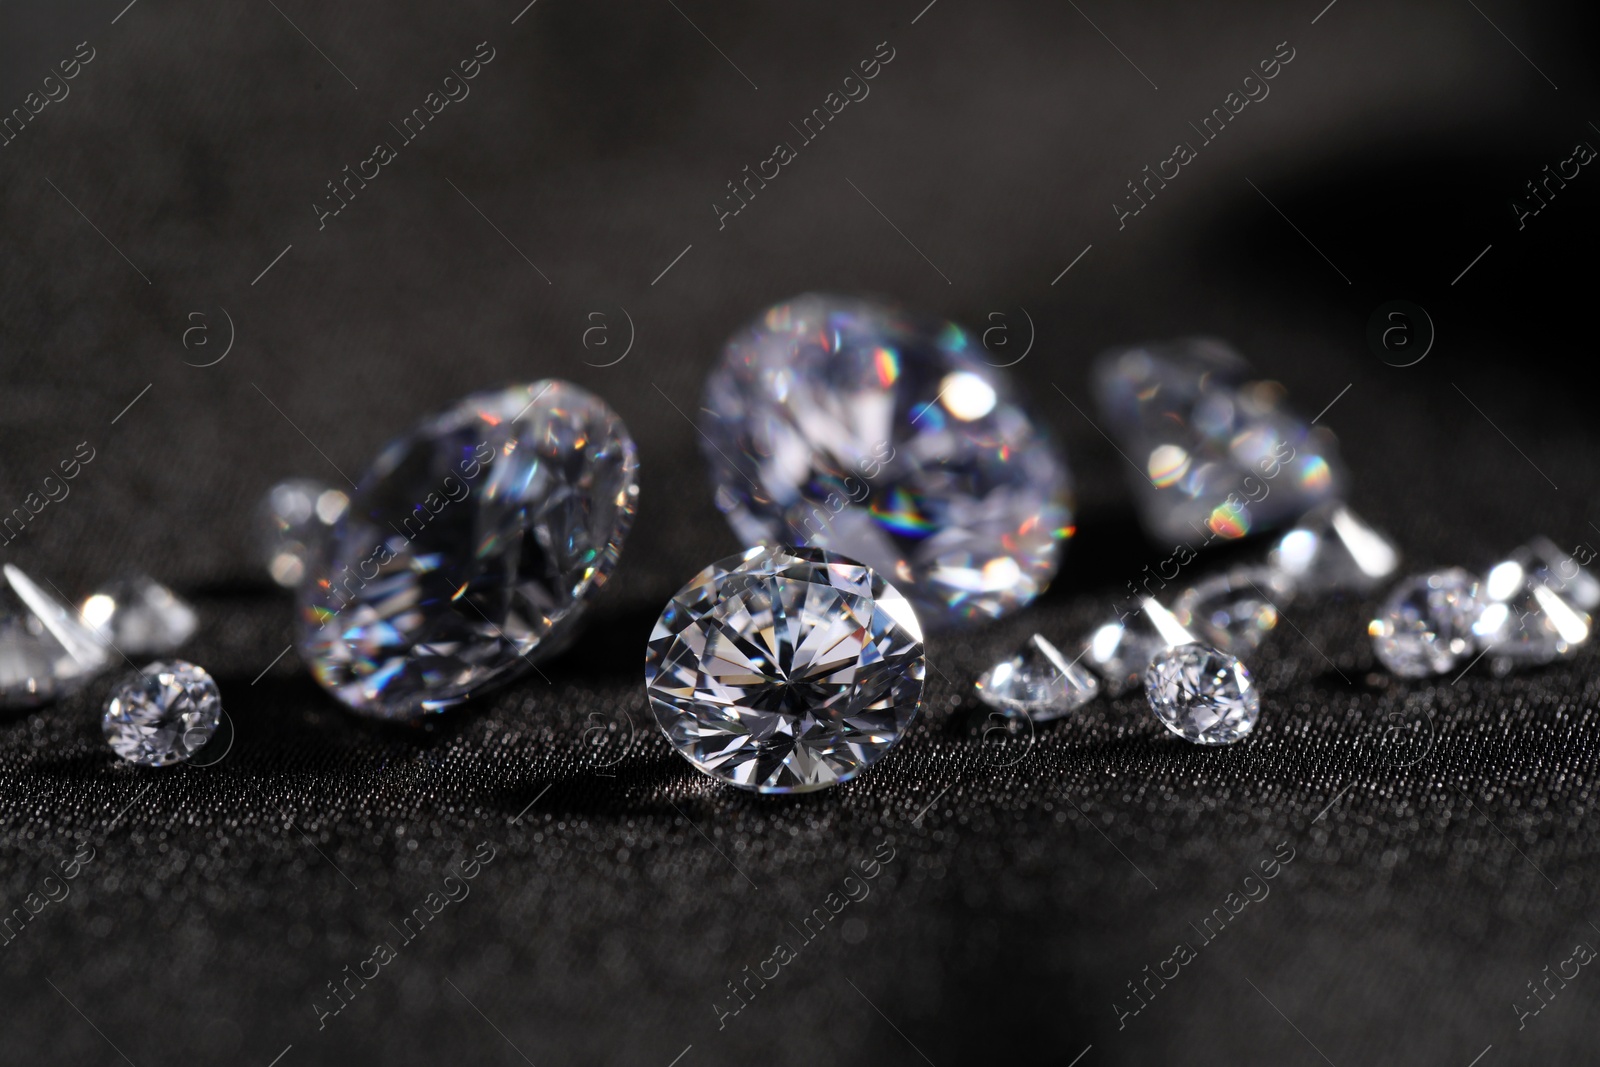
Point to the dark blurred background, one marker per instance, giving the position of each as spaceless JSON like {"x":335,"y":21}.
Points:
{"x":172,"y":188}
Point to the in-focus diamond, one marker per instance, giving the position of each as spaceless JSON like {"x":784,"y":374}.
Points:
{"x":1219,"y":454}
{"x":296,"y":519}
{"x":1202,"y":695}
{"x":1120,"y":650}
{"x":470,"y":548}
{"x":46,"y":651}
{"x":858,"y":428}
{"x":1234,"y":610}
{"x":1330,"y":549}
{"x":1038,"y":681}
{"x":1425,"y":627}
{"x":139,"y":616}
{"x":785,"y":670}
{"x":1524,"y":621}
{"x":1548,"y":564}
{"x":163,"y":714}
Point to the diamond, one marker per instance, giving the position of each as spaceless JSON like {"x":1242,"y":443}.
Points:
{"x":1121,"y":649}
{"x":860,"y":429}
{"x":1235,"y":610}
{"x":470,"y":548}
{"x":1039,"y":682}
{"x":1218,"y":454}
{"x":138,"y":616}
{"x":1202,"y":695}
{"x":785,"y":670}
{"x":1524,"y":620}
{"x":1568,"y":578}
{"x":1330,"y":549}
{"x":1425,"y":627}
{"x":46,"y":652}
{"x":163,"y":714}
{"x":296,"y":518}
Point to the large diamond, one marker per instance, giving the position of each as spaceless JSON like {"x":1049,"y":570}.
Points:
{"x":1202,"y":695}
{"x":785,"y":670}
{"x":45,"y":649}
{"x":1425,"y":626}
{"x":1038,"y":682}
{"x":470,"y":548}
{"x":1218,"y":454}
{"x":855,"y":427}
{"x":163,"y":714}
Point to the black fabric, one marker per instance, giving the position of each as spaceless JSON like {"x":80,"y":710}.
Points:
{"x":1017,"y":891}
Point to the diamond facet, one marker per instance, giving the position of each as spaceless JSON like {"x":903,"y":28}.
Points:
{"x":1217,"y":452}
{"x":1202,"y":695}
{"x":1039,"y":682}
{"x":139,"y":616}
{"x":162,"y":714}
{"x":1425,"y":627}
{"x":1235,"y":610}
{"x":857,"y":428}
{"x":785,"y":670}
{"x":46,"y":651}
{"x":470,"y":548}
{"x":296,"y":519}
{"x":1330,"y":549}
{"x":1121,"y":649}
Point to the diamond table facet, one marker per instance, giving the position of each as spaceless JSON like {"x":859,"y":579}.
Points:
{"x":162,"y":714}
{"x":857,"y":428}
{"x":785,"y":670}
{"x":470,"y":549}
{"x":1038,"y":681}
{"x":1202,"y":695}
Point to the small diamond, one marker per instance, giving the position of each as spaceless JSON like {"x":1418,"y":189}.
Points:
{"x":857,"y":428}
{"x":785,"y":670}
{"x":1120,"y":650}
{"x":1039,"y":682}
{"x":1202,"y":695}
{"x":470,"y":549}
{"x":46,"y":652}
{"x":1216,"y":452}
{"x":1235,"y":610}
{"x":1331,"y":549}
{"x":163,"y":714}
{"x":1548,"y":564}
{"x":139,"y":616}
{"x":1425,"y":627}
{"x":296,"y":519}
{"x":1525,"y":621}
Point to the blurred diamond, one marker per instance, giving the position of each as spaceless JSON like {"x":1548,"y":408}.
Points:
{"x":1235,"y":610}
{"x":296,"y":519}
{"x":1330,"y":549}
{"x":45,"y":649}
{"x":1120,"y":650}
{"x":1218,"y":454}
{"x":1524,"y":621}
{"x":1426,"y":625}
{"x":1039,"y":682}
{"x":139,"y":616}
{"x":857,"y":428}
{"x":1547,"y":563}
